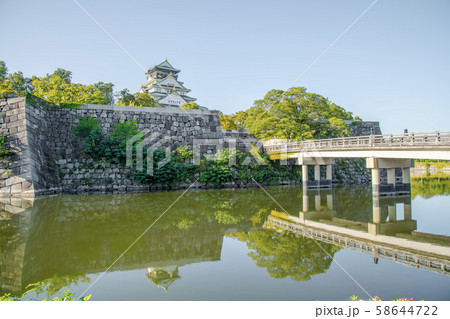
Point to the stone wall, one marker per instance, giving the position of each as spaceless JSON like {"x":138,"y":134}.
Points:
{"x":354,"y":171}
{"x":358,"y":128}
{"x":49,"y":160}
{"x":16,"y":177}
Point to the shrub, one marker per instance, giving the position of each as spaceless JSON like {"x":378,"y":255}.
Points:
{"x":216,"y":172}
{"x":124,"y":131}
{"x":86,"y":127}
{"x":190,"y":106}
{"x":111,"y":149}
{"x":41,"y":288}
{"x":175,"y":171}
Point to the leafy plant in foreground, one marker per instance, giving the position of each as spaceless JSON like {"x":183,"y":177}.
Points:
{"x":40,"y":288}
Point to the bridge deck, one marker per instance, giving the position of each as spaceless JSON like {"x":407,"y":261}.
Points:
{"x":434,"y":145}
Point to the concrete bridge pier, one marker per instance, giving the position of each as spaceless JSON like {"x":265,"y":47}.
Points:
{"x":406,"y":175}
{"x":391,"y":188}
{"x":314,"y":210}
{"x":318,"y":182}
{"x":317,"y":174}
{"x":305,"y":176}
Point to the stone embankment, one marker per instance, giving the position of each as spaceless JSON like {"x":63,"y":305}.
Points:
{"x":49,"y":160}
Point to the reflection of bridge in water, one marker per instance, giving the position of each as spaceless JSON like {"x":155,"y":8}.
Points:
{"x":385,"y":236}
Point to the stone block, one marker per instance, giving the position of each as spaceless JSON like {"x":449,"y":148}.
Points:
{"x":13,"y":209}
{"x":17,"y":202}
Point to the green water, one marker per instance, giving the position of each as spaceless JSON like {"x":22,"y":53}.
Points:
{"x":216,"y":245}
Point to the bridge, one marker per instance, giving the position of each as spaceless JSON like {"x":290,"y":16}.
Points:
{"x":389,"y":151}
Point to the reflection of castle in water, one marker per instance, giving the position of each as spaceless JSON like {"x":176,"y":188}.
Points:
{"x":163,"y":277}
{"x":70,"y":236}
{"x":385,"y":236}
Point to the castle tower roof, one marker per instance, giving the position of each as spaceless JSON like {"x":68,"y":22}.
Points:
{"x":163,"y":85}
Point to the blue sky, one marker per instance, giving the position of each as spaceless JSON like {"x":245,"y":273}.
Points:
{"x":392,"y":66}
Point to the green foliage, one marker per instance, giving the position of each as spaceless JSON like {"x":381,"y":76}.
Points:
{"x":438,"y":164}
{"x":227,"y":165}
{"x":235,"y":121}
{"x":54,"y":89}
{"x":69,"y":105}
{"x":143,"y":99}
{"x":215,"y":173}
{"x":226,"y":217}
{"x":5,"y":89}
{"x":19,"y":83}
{"x":124,"y":131}
{"x":296,"y":114}
{"x":124,"y":97}
{"x":286,"y":255}
{"x":3,"y":71}
{"x":190,"y":106}
{"x":41,"y":288}
{"x":183,"y":153}
{"x":111,"y":149}
{"x":106,"y":90}
{"x":87,"y":126}
{"x":65,"y":75}
{"x":176,"y":170}
{"x":430,"y":185}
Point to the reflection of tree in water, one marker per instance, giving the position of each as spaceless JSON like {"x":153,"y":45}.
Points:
{"x":429,"y":186}
{"x":56,"y":283}
{"x":284,"y":254}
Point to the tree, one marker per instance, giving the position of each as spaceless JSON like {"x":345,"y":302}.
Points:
{"x":3,"y":71}
{"x":12,"y":83}
{"x":190,"y":106}
{"x":296,"y":114}
{"x":107,"y":91}
{"x":53,"y":88}
{"x":235,"y":121}
{"x":64,"y":74}
{"x":226,"y":122}
{"x":18,"y":82}
{"x":124,"y":97}
{"x":144,"y":99}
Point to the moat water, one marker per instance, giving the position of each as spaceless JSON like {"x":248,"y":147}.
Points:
{"x":227,"y":245}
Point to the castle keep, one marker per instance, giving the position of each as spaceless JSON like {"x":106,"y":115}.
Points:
{"x":165,"y":88}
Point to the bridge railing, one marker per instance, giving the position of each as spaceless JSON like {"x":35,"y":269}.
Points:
{"x":387,"y":140}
